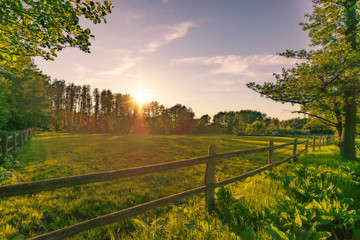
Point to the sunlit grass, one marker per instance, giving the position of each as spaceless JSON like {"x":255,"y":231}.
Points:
{"x":50,"y":155}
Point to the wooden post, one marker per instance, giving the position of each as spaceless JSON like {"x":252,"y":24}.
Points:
{"x":306,"y":145}
{"x":314,"y":141}
{"x":14,"y":142}
{"x":271,"y":153}
{"x":4,"y":141}
{"x":321,"y":141}
{"x":29,"y":133}
{"x":21,"y":139}
{"x":294,"y":149}
{"x":210,"y":179}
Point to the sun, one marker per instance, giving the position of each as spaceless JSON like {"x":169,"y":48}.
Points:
{"x":141,"y":97}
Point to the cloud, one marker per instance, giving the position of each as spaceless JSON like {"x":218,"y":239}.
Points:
{"x":250,"y":65}
{"x":166,"y":34}
{"x":124,"y":60}
{"x":131,"y":17}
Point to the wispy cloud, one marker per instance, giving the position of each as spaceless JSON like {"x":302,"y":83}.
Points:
{"x":166,"y":34}
{"x":250,"y":65}
{"x":131,"y":17}
{"x":124,"y":60}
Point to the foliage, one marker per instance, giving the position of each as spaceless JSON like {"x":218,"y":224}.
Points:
{"x":42,"y":28}
{"x":74,"y":108}
{"x":4,"y":107}
{"x":321,"y":208}
{"x":25,"y":101}
{"x":314,"y":126}
{"x":7,"y":165}
{"x":312,"y":199}
{"x":326,"y":84}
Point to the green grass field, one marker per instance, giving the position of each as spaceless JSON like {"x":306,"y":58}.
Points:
{"x":51,"y":155}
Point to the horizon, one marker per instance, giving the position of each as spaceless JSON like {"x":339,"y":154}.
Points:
{"x":199,"y":55}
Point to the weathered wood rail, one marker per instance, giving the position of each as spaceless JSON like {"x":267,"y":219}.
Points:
{"x":18,"y":140}
{"x":209,"y":183}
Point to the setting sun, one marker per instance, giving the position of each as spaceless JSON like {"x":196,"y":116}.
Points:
{"x":141,"y":97}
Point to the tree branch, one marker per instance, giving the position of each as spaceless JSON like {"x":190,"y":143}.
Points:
{"x":323,"y":120}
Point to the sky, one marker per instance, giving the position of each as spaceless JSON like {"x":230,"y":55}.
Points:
{"x":198,"y":53}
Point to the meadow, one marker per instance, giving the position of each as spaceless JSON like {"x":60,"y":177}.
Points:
{"x":51,"y":155}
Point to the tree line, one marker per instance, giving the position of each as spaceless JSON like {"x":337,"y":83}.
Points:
{"x":30,"y":98}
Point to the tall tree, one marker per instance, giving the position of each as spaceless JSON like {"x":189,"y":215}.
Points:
{"x":327,"y":84}
{"x":57,"y":95}
{"x":27,"y":101}
{"x":96,"y":96}
{"x":182,"y":119}
{"x":4,"y":106}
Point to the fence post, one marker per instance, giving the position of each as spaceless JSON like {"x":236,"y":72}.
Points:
{"x":210,"y":179}
{"x":325,"y":140}
{"x":306,"y":145}
{"x":271,"y":153}
{"x":14,"y":142}
{"x":29,"y":133}
{"x":4,"y":142}
{"x":21,"y":139}
{"x":314,"y":141}
{"x":294,"y":149}
{"x":320,"y":138}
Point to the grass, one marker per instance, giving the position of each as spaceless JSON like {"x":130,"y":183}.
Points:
{"x":314,"y":198}
{"x":50,"y":155}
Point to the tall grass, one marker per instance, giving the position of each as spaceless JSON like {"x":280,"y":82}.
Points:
{"x":51,"y":155}
{"x":313,"y":198}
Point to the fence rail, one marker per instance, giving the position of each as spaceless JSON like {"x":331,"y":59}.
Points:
{"x":209,"y":183}
{"x":18,"y":140}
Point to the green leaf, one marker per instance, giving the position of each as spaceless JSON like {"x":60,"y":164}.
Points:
{"x":191,"y":225}
{"x":322,"y":235}
{"x":248,"y":233}
{"x":298,"y":221}
{"x":276,"y":233}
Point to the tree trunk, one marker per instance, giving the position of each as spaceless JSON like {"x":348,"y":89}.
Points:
{"x":347,"y":144}
{"x":339,"y":131}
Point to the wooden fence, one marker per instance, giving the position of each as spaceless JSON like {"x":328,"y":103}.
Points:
{"x":209,"y":182}
{"x":18,"y":140}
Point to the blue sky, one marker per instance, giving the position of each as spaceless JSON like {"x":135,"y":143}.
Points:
{"x":199,"y":53}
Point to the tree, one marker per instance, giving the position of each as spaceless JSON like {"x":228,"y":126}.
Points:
{"x":255,"y":128}
{"x":202,"y":124}
{"x":27,"y":103}
{"x":315,"y":126}
{"x":326,"y":84}
{"x":182,"y":119}
{"x":4,"y":107}
{"x":57,"y":95}
{"x":250,"y":116}
{"x":42,"y":28}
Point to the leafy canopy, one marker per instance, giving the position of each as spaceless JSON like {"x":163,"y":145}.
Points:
{"x":44,"y":27}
